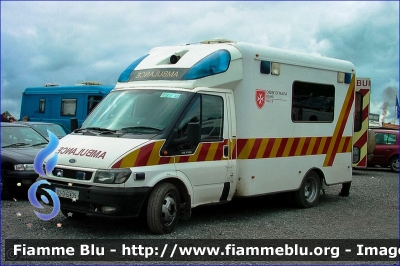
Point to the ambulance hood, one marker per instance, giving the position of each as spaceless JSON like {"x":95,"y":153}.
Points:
{"x":94,"y":151}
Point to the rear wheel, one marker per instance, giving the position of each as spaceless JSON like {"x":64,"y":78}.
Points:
{"x":163,"y":208}
{"x":308,"y":194}
{"x":394,"y":164}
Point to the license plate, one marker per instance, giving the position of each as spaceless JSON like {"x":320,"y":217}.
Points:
{"x":67,"y":193}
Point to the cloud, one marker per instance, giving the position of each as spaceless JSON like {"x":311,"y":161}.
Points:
{"x":66,"y":42}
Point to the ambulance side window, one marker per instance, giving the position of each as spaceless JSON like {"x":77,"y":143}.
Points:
{"x":193,"y":115}
{"x":312,"y":102}
{"x":212,"y":118}
{"x":208,"y":111}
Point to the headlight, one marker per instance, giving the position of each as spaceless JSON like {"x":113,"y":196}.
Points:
{"x":23,"y":167}
{"x":112,"y":176}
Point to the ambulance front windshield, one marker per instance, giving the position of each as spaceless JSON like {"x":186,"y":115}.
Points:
{"x":147,"y":111}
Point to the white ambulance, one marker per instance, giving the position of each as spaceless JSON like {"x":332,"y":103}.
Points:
{"x":202,"y":123}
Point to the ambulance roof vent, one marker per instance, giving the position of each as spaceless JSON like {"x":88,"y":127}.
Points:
{"x":176,"y":56}
{"x":217,"y":40}
{"x":51,"y":85}
{"x":89,"y":83}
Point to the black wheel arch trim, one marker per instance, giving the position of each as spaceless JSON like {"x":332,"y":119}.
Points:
{"x":186,"y":200}
{"x":320,"y":174}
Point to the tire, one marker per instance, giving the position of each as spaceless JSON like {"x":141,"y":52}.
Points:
{"x":394,"y":164}
{"x":5,"y":188}
{"x":308,"y":194}
{"x":73,"y":215}
{"x":5,"y":191}
{"x":163,"y":208}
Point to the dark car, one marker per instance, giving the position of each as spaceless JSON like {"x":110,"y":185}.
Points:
{"x":386,"y":152}
{"x":19,"y":146}
{"x":42,"y":128}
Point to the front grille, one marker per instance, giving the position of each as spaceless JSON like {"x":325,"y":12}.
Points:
{"x":73,"y":174}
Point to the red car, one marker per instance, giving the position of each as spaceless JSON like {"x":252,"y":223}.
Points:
{"x":386,"y":153}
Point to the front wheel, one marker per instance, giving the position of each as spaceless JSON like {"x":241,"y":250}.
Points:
{"x":5,"y":188}
{"x":308,"y":194}
{"x":163,"y":208}
{"x":5,"y":191}
{"x":394,"y":164}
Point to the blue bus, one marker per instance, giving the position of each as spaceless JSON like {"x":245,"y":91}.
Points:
{"x":59,"y":104}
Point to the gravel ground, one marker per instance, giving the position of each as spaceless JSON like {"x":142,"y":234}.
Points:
{"x":370,"y":212}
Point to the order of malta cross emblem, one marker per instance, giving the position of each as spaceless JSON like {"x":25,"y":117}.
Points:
{"x":260,"y":98}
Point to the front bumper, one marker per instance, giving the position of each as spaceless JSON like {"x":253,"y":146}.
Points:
{"x":118,"y":202}
{"x":19,"y":178}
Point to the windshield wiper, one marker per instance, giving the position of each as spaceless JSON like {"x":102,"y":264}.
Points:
{"x":139,"y":129}
{"x":37,"y":144}
{"x":102,"y":130}
{"x":19,"y":144}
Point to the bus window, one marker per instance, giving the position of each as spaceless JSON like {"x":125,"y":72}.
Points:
{"x":42,"y":105}
{"x":92,"y":102}
{"x":68,"y":107}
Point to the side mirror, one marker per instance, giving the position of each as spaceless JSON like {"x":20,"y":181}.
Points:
{"x":193,"y":133}
{"x":74,"y":124}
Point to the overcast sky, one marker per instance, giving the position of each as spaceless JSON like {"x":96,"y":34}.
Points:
{"x":67,"y":42}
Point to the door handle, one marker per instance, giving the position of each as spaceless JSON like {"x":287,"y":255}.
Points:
{"x":226,"y":150}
